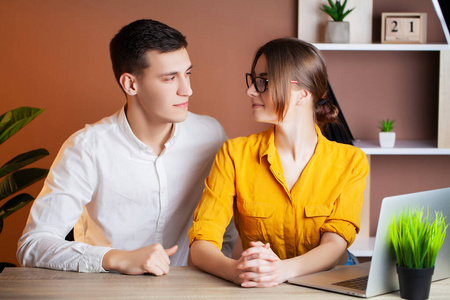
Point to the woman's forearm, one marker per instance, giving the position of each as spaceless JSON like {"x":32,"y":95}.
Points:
{"x":323,"y":257}
{"x":209,"y":258}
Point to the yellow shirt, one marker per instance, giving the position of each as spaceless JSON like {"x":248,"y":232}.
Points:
{"x":247,"y":181}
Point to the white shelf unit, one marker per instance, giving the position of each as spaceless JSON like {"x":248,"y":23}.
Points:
{"x":382,"y":47}
{"x":363,"y":245}
{"x":402,"y":147}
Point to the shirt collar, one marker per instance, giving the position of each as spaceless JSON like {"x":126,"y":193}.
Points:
{"x":268,"y":143}
{"x":128,"y":132}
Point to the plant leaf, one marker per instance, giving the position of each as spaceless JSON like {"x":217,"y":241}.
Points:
{"x":5,"y":119}
{"x":329,"y":11}
{"x":19,"y":180}
{"x":17,"y":119}
{"x":332,"y":5}
{"x":22,"y":160}
{"x":340,"y":8}
{"x":14,"y":204}
{"x":347,"y":12}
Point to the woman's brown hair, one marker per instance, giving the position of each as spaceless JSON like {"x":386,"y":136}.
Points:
{"x":293,"y":59}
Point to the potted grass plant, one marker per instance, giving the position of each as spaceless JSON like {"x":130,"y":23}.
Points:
{"x":416,"y":242}
{"x":337,"y":30}
{"x":386,"y":135}
{"x":13,"y":176}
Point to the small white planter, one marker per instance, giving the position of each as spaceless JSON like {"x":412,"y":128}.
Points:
{"x":337,"y":32}
{"x":387,"y":139}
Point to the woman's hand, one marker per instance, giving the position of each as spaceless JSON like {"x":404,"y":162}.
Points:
{"x":259,"y":266}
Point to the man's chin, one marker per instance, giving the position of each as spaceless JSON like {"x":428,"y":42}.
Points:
{"x":180,"y":118}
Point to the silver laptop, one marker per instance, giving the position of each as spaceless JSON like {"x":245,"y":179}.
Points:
{"x":379,"y":276}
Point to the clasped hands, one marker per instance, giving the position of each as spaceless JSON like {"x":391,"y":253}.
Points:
{"x":259,"y":266}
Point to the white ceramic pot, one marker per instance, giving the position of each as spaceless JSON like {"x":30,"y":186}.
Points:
{"x":387,"y":139}
{"x":337,"y":32}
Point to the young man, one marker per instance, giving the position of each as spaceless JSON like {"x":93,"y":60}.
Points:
{"x":130,"y":182}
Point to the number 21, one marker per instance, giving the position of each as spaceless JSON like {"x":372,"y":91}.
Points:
{"x":395,"y":26}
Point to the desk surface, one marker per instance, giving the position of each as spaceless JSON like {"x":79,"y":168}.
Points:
{"x":180,"y":283}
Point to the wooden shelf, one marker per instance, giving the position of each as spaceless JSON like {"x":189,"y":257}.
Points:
{"x":402,"y":147}
{"x":382,"y":47}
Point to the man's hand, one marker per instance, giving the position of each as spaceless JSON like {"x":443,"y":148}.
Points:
{"x":153,"y":259}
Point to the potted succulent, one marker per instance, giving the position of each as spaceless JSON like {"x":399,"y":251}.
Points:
{"x":13,"y":176}
{"x":386,"y":135}
{"x":337,"y":31}
{"x":416,"y":242}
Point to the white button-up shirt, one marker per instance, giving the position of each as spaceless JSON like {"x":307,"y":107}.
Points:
{"x":118,"y":194}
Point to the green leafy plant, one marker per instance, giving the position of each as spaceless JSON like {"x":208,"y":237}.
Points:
{"x":12,"y":174}
{"x":386,"y":125}
{"x":416,"y":241}
{"x":336,"y":10}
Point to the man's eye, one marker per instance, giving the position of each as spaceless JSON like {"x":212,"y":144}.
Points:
{"x":170,"y":78}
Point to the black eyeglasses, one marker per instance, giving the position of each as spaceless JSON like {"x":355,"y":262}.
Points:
{"x":259,"y":82}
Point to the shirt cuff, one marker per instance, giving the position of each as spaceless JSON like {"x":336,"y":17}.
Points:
{"x":345,"y":229}
{"x":92,"y":259}
{"x":207,"y":233}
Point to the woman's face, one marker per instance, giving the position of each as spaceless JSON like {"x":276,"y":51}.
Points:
{"x":262,"y":104}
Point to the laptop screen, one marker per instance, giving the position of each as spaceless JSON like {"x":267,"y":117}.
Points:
{"x":442,"y":8}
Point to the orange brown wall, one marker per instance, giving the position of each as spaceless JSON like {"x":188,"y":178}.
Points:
{"x":54,"y":55}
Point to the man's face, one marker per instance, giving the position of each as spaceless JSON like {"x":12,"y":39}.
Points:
{"x":164,"y":88}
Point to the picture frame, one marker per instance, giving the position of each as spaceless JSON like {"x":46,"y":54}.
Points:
{"x":403,"y":28}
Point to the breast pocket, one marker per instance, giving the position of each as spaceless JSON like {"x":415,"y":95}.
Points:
{"x":316,"y":215}
{"x":255,"y":219}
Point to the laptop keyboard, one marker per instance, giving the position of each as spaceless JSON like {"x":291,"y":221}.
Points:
{"x":359,"y":283}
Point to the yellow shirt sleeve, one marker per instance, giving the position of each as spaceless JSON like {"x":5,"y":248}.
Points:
{"x":345,"y":218}
{"x":215,"y":209}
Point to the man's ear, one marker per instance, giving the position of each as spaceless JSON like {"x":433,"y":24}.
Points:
{"x":128,"y":83}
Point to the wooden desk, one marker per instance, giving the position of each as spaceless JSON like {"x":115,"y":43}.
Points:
{"x":180,"y":283}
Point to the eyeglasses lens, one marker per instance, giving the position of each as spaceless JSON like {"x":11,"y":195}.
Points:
{"x":260,"y":85}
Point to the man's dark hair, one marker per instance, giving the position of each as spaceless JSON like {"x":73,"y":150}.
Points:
{"x":130,"y":45}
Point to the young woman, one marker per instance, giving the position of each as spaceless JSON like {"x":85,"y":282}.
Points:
{"x":296,"y":197}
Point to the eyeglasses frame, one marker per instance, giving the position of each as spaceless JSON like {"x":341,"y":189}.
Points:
{"x":266,"y":82}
